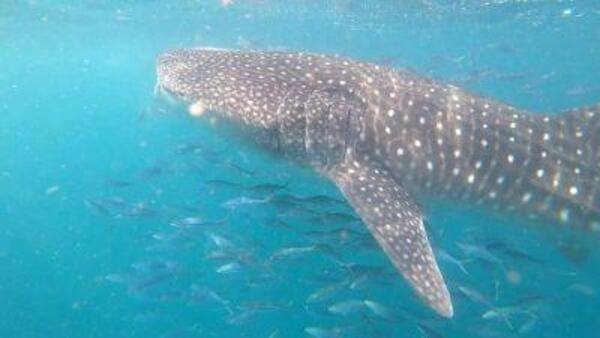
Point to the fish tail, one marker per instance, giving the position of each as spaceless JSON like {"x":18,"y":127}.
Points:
{"x":580,"y":129}
{"x":570,"y":143}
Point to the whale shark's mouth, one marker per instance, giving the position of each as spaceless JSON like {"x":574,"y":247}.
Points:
{"x":176,"y":98}
{"x":172,"y":96}
{"x":167,"y":79}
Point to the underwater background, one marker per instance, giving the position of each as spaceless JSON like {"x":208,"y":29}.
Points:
{"x":121,"y":216}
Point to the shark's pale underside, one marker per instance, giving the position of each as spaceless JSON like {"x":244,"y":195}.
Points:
{"x":387,"y":137}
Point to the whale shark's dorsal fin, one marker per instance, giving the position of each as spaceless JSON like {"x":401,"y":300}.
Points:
{"x":396,"y":222}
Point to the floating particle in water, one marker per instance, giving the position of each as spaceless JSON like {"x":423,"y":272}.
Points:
{"x":567,"y":12}
{"x":514,"y":277}
{"x":52,"y":190}
{"x":227,"y":3}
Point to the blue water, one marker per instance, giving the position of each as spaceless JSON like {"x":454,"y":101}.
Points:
{"x":94,"y":169}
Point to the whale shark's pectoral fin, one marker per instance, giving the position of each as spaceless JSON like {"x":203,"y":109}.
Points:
{"x":396,"y":222}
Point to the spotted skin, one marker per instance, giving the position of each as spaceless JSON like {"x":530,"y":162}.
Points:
{"x":388,"y":138}
{"x":396,"y":222}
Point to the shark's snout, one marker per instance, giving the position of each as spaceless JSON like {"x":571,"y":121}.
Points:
{"x":171,"y":69}
{"x":180,"y":71}
{"x":241,"y":86}
{"x":188,"y":76}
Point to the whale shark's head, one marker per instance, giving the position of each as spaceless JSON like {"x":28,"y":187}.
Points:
{"x":246,"y":87}
{"x":185,"y":73}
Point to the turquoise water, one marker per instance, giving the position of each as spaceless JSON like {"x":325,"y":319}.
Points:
{"x":123,"y":217}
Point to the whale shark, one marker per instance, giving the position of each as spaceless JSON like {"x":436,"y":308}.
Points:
{"x":388,"y":138}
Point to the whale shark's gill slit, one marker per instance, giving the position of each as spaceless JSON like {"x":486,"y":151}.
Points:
{"x":349,"y":134}
{"x":396,"y":223}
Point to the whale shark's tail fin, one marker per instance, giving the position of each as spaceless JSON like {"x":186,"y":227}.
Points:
{"x":397,"y":224}
{"x":572,"y":139}
{"x":580,"y":131}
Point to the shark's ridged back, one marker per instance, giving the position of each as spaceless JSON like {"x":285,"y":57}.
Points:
{"x":440,"y":139}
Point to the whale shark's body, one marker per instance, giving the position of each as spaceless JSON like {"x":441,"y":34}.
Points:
{"x":387,"y":138}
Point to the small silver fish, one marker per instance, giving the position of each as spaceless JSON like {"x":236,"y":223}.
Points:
{"x":359,"y":281}
{"x":168,"y":236}
{"x":221,"y":241}
{"x":583,"y":289}
{"x":292,"y":251}
{"x":528,"y":325}
{"x":318,"y":332}
{"x":155,"y":265}
{"x":326,"y":292}
{"x":339,"y":235}
{"x":117,"y":183}
{"x":243,"y":201}
{"x":477,"y":251}
{"x":117,"y":278}
{"x":266,"y":188}
{"x":500,"y":313}
{"x":474,"y":296}
{"x":229,"y":268}
{"x":201,"y":294}
{"x":346,"y":307}
{"x":445,"y":256}
{"x":147,"y":282}
{"x":220,"y":254}
{"x":187,"y":222}
{"x":526,"y":306}
{"x":379,"y":309}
